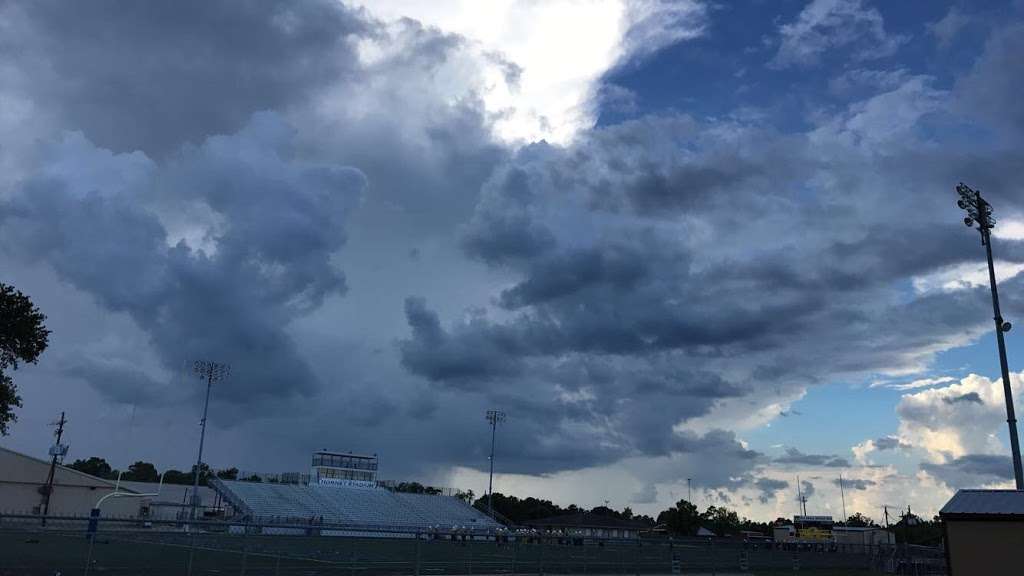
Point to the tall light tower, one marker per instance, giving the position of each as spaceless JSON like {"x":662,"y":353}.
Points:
{"x":211,"y":372}
{"x":494,"y":417}
{"x":980,"y":212}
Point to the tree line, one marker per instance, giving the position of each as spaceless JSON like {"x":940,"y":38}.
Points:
{"x":146,"y":472}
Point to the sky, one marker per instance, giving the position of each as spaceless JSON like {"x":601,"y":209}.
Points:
{"x":672,"y":240}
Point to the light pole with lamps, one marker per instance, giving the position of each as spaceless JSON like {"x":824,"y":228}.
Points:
{"x":980,"y":212}
{"x":494,"y":417}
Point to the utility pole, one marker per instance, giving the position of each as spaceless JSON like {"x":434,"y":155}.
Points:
{"x":58,"y":450}
{"x":211,"y":372}
{"x":801,"y":502}
{"x":689,"y":493}
{"x":979,"y":211}
{"x":842,"y":494}
{"x":494,"y":417}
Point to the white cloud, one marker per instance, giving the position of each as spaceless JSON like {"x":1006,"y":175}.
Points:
{"x":964,"y":277}
{"x":885,"y":118}
{"x":1009,"y":229}
{"x":956,"y":420}
{"x":946,"y":29}
{"x":919,"y":383}
{"x":552,"y":96}
{"x":825,"y":25}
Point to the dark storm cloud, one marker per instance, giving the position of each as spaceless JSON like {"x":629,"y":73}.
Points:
{"x":794,"y":456}
{"x":768,"y":487}
{"x":152,"y":76}
{"x":122,"y":384}
{"x":989,"y":91}
{"x":971,"y":469}
{"x":854,"y":483}
{"x":888,"y":443}
{"x":970,"y":397}
{"x":278,"y":222}
{"x":697,"y":248}
{"x":806,"y":488}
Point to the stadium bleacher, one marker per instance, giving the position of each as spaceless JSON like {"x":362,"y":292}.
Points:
{"x":364,"y":507}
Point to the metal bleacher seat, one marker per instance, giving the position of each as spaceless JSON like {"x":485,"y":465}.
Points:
{"x":352,"y":506}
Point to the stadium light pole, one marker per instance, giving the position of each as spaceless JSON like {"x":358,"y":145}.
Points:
{"x":211,"y":372}
{"x":980,"y":212}
{"x":494,"y":417}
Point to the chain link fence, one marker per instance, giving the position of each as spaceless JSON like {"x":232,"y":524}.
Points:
{"x":66,"y":546}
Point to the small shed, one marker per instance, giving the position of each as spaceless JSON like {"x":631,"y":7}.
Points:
{"x":984,"y":532}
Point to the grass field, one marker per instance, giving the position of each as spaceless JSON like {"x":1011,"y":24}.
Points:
{"x":160,"y":554}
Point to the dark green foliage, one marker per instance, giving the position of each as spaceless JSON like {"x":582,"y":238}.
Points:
{"x":95,"y":466}
{"x":415,"y":488}
{"x":179,"y":477}
{"x":913,"y":529}
{"x":530,"y":508}
{"x":23,"y":337}
{"x":228,"y":474}
{"x":859,"y":520}
{"x":682,"y":518}
{"x":141,"y":472}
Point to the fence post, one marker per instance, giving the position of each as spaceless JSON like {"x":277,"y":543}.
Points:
{"x":469,"y":565}
{"x":417,"y":567}
{"x":540,"y":558}
{"x":245,"y":547}
{"x":515,"y":552}
{"x":714,"y":557}
{"x":639,"y":553}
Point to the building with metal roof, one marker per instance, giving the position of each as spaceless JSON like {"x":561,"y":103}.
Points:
{"x":23,"y":486}
{"x":984,"y":532}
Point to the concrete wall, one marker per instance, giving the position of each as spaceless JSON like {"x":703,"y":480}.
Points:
{"x":983,"y":548}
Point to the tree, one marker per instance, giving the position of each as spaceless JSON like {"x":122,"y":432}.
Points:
{"x":859,"y":520}
{"x":721,"y":520}
{"x":177,"y":477}
{"x":23,"y":337}
{"x":141,"y":472}
{"x":682,"y":518}
{"x":228,"y":474}
{"x":94,"y":466}
{"x":416,"y":488}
